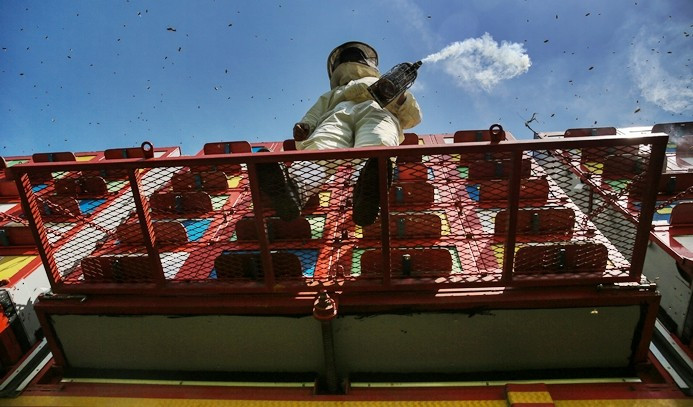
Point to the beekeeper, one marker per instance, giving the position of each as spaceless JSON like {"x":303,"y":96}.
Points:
{"x":344,"y":117}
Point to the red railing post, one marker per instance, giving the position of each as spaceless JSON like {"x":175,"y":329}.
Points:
{"x":514,"y":186}
{"x":648,"y":316}
{"x":384,"y":168}
{"x":38,"y":229}
{"x":648,"y":203}
{"x":142,"y":208}
{"x":325,"y":311}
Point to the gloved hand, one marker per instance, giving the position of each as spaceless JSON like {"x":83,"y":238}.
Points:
{"x":402,"y":98}
{"x":301,"y":131}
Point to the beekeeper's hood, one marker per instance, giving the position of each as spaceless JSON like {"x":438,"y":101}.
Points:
{"x":351,"y":60}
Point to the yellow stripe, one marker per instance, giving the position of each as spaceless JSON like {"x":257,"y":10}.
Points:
{"x":325,"y":198}
{"x":234,"y":181}
{"x":47,"y":401}
{"x":499,"y":250}
{"x":595,"y":168}
{"x":85,"y":157}
{"x":10,"y":265}
{"x":529,"y":397}
{"x":444,"y":224}
{"x":625,"y":403}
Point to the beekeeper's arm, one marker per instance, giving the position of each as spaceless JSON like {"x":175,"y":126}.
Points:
{"x":355,"y":91}
{"x":406,"y":109}
{"x":304,"y":128}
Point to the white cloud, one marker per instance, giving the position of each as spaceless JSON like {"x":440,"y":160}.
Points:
{"x":661,"y":76}
{"x":482,"y":62}
{"x":415,"y":20}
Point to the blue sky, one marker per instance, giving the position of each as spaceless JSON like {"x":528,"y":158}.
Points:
{"x":90,"y":75}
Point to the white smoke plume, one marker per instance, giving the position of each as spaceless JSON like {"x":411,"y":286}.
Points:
{"x":482,"y":62}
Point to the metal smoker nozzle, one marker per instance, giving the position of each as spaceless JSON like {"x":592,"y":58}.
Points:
{"x":397,"y":80}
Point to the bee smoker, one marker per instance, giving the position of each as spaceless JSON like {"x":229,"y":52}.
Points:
{"x":391,"y":85}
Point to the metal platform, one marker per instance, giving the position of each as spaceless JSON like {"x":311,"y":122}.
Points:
{"x":480,"y":265}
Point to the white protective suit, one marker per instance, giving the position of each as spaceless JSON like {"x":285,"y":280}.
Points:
{"x":346,"y":117}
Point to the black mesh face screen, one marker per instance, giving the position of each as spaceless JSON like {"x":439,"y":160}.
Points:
{"x":352,"y":54}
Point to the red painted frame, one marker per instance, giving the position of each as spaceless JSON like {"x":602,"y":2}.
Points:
{"x":515,"y":148}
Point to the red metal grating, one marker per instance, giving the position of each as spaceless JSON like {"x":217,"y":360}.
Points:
{"x":463,"y":214}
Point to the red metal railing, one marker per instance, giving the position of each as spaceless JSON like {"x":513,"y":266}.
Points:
{"x":469,"y":214}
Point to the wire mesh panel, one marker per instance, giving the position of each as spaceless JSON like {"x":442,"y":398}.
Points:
{"x":303,"y":205}
{"x":459,"y":216}
{"x":325,"y":193}
{"x":72,"y":207}
{"x":197,"y":203}
{"x":596,"y":183}
{"x":456,"y":215}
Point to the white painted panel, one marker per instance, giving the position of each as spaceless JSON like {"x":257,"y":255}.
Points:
{"x":24,"y":293}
